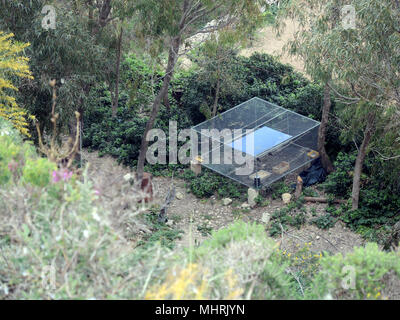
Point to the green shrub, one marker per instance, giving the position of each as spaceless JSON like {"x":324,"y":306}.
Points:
{"x":237,"y":231}
{"x":161,"y":233}
{"x":205,"y":185}
{"x":18,"y":158}
{"x":38,"y":172}
{"x":340,"y":181}
{"x":303,"y":265}
{"x":209,"y":183}
{"x":294,"y":214}
{"x":245,"y":249}
{"x":279,"y":188}
{"x":62,"y":242}
{"x":379,"y":196}
{"x":372,"y":270}
{"x":325,"y":221}
{"x":121,"y":137}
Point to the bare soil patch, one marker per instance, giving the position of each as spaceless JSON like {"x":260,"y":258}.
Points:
{"x":268,"y":42}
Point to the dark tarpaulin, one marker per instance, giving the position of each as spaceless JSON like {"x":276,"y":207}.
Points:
{"x":314,"y":174}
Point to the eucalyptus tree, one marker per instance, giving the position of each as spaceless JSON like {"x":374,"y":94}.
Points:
{"x":315,"y":19}
{"x":66,"y":53}
{"x":367,"y":63}
{"x":358,"y":62}
{"x":170,"y":23}
{"x":106,"y":22}
{"x":213,"y":60}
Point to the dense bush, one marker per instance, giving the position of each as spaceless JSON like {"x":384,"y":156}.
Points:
{"x":209,"y":183}
{"x":379,"y":197}
{"x":260,"y":75}
{"x":239,"y":261}
{"x":121,"y":136}
{"x":244,"y":252}
{"x":365,"y":273}
{"x":19,"y":160}
{"x":340,"y":181}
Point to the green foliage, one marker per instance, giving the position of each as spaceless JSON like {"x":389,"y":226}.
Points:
{"x":204,"y":229}
{"x":18,"y":159}
{"x":309,"y":192}
{"x":70,"y":52}
{"x":140,"y":79}
{"x":313,"y":211}
{"x":205,"y":185}
{"x":38,"y":172}
{"x":165,"y":236}
{"x":303,"y":265}
{"x":261,"y":201}
{"x":208,"y":183}
{"x":373,"y":271}
{"x":260,"y":75}
{"x":245,"y":249}
{"x":121,"y":136}
{"x":325,"y":221}
{"x":379,"y":197}
{"x":161,"y":233}
{"x":12,"y":65}
{"x":58,"y":229}
{"x":292,"y":215}
{"x":237,"y":231}
{"x":340,"y":181}
{"x":335,"y":211}
{"x":279,"y":188}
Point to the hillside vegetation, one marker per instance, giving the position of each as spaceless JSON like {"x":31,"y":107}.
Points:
{"x":80,"y":91}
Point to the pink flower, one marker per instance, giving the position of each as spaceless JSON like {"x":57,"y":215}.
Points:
{"x":67,"y":175}
{"x":12,"y":166}
{"x":56,"y":177}
{"x":63,"y":174}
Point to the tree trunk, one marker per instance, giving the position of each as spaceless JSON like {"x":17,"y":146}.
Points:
{"x":91,"y":15}
{"x":172,"y":58}
{"x":115,"y":100}
{"x":355,"y":194}
{"x":326,"y":162}
{"x":214,"y":113}
{"x":166,"y":101}
{"x":103,"y":19}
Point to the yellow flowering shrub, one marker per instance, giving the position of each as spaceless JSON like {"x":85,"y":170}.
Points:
{"x":193,"y":283}
{"x":13,"y":64}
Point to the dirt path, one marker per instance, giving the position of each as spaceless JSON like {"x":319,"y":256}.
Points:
{"x":198,"y":217}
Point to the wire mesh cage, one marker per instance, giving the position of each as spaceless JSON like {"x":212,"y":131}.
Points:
{"x":255,"y":143}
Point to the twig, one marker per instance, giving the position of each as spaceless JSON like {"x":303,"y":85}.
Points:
{"x":150,"y":273}
{"x":298,"y":281}
{"x":282,"y":233}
